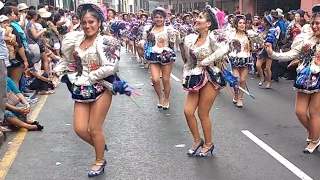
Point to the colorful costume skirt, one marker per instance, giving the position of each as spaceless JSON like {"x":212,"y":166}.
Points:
{"x":307,"y":83}
{"x":84,"y":94}
{"x":239,"y":62}
{"x":194,"y":83}
{"x":131,"y":37}
{"x":262,"y":53}
{"x":163,"y":58}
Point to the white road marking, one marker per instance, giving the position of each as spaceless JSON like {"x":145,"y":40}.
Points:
{"x":175,"y":77}
{"x":277,"y":156}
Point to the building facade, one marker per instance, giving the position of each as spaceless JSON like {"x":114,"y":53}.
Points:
{"x":183,"y":5}
{"x":308,"y":4}
{"x":260,"y":6}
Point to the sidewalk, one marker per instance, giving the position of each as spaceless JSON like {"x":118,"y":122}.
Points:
{"x":1,"y":137}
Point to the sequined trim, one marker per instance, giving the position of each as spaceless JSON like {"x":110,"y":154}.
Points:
{"x":239,"y":62}
{"x":87,"y":93}
{"x":202,"y":79}
{"x":163,"y":58}
{"x":306,"y":91}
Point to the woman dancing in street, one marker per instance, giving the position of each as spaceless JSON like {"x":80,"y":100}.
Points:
{"x":266,"y":22}
{"x":159,"y":53}
{"x":239,"y":56}
{"x":140,"y":49}
{"x":96,"y":58}
{"x":202,"y":76}
{"x":306,"y":48}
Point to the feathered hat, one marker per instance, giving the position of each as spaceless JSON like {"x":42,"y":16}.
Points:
{"x":211,"y":12}
{"x":220,"y":17}
{"x":84,"y":7}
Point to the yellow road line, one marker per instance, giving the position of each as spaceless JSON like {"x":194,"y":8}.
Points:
{"x":12,"y":152}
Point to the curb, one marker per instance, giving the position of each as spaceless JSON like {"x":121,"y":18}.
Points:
{"x":2,"y":135}
{"x":33,"y":94}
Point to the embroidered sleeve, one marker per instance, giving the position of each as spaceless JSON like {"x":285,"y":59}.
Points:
{"x":67,"y":48}
{"x":144,"y":33}
{"x":191,"y":61}
{"x":108,"y":49}
{"x":294,"y":53}
{"x":219,"y":46}
{"x":173,"y":35}
{"x":188,"y":42}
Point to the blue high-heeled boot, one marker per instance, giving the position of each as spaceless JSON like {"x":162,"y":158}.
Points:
{"x":94,"y":173}
{"x":204,"y":154}
{"x":193,"y":152}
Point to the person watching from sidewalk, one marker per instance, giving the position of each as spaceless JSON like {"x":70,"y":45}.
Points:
{"x":39,"y":80}
{"x":17,"y":109}
{"x":3,"y":72}
{"x":10,"y":38}
{"x":23,"y":9}
{"x":17,"y":68}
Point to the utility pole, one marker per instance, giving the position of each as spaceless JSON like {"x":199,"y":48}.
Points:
{"x":178,"y":6}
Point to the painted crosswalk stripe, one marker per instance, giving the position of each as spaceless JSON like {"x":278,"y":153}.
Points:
{"x":277,"y":156}
{"x":175,"y":77}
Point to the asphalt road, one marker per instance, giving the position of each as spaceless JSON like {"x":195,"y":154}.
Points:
{"x":142,"y":140}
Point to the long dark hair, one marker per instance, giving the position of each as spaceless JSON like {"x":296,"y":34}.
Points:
{"x":56,"y":18}
{"x":31,"y":14}
{"x":266,"y":22}
{"x":6,"y":10}
{"x":94,"y":13}
{"x":237,"y":20}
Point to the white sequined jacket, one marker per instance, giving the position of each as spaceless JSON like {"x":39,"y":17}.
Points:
{"x":168,"y":35}
{"x":299,"y":49}
{"x":213,"y":50}
{"x":98,"y":61}
{"x":239,"y":48}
